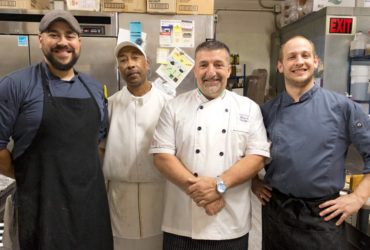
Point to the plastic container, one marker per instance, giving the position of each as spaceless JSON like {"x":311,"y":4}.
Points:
{"x":360,"y":82}
{"x":359,"y":70}
{"x":358,"y":45}
{"x":359,"y":91}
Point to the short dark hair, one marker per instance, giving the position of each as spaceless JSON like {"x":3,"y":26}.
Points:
{"x":298,"y":36}
{"x":212,"y":45}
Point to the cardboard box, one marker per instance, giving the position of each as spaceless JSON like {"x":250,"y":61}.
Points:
{"x":91,"y":5}
{"x":161,"y":6}
{"x":124,"y":5}
{"x":25,"y":4}
{"x":319,"y":4}
{"x":195,"y":7}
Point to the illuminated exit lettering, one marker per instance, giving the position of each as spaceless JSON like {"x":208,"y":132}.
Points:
{"x":340,"y":25}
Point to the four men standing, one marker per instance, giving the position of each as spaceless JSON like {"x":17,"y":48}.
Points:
{"x":209,"y":143}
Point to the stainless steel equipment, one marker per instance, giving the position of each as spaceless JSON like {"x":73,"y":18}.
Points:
{"x":19,"y":46}
{"x":203,"y":29}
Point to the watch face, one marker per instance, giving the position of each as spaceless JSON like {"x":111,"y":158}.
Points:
{"x":221,"y":188}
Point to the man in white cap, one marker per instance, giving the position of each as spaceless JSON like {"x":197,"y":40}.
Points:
{"x":135,"y":187}
{"x":56,"y":117}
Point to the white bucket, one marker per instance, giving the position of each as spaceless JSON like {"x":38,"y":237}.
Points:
{"x":359,"y":70}
{"x":359,"y":91}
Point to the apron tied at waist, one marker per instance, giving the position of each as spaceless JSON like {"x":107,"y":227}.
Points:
{"x":296,"y":204}
{"x":291,"y":223}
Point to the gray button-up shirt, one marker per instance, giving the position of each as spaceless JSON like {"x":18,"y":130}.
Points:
{"x":310,"y":139}
{"x":21,"y":103}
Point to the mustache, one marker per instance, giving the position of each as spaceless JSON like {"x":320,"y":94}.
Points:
{"x":60,"y":47}
{"x":210,"y":78}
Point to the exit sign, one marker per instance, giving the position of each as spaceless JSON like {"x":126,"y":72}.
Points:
{"x":341,"y":25}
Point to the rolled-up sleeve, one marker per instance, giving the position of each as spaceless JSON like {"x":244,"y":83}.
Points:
{"x":258,"y":143}
{"x":164,"y":136}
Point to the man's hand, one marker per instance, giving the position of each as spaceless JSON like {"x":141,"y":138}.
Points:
{"x":214,"y":207}
{"x":203,"y":190}
{"x":261,"y":190}
{"x":343,"y":205}
{"x":6,"y":167}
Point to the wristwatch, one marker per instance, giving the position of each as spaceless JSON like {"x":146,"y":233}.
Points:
{"x":220,"y":185}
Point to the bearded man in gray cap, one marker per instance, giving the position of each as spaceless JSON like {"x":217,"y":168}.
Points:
{"x":56,"y":117}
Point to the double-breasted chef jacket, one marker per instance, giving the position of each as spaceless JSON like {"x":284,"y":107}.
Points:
{"x":208,"y":137}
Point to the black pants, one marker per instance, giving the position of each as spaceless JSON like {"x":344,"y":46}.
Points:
{"x":290,"y":223}
{"x":177,"y":242}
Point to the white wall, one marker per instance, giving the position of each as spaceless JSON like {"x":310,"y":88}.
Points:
{"x":248,"y":34}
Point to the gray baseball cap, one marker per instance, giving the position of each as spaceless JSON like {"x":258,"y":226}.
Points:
{"x":59,"y":15}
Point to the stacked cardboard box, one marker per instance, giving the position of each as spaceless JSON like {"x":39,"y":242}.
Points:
{"x":90,"y":5}
{"x":195,"y":7}
{"x":24,"y":4}
{"x":161,"y":6}
{"x":124,"y":5}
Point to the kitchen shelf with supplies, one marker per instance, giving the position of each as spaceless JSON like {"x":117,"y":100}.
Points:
{"x":358,"y":83}
{"x":234,"y":79}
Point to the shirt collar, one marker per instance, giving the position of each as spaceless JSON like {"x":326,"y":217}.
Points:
{"x":288,"y":100}
{"x":205,"y":99}
{"x":50,"y":76}
{"x":141,"y":99}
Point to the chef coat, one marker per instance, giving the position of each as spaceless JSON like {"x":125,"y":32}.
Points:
{"x":132,"y":123}
{"x":332,"y":122}
{"x":208,"y":137}
{"x":135,"y":186}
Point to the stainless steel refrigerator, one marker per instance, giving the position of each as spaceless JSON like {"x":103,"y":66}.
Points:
{"x":19,"y":46}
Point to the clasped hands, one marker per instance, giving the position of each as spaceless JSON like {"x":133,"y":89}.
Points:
{"x":202,"y":190}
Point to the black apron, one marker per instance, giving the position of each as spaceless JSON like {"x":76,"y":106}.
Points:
{"x":61,"y":197}
{"x":290,"y":223}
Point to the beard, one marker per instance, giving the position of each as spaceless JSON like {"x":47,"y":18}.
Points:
{"x":58,"y":65}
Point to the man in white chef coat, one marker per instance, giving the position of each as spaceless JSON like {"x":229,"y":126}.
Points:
{"x":209,"y":143}
{"x":135,"y":187}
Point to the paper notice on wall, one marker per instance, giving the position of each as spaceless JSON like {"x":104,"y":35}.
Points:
{"x":162,"y":55}
{"x":177,"y":67}
{"x":177,"y":33}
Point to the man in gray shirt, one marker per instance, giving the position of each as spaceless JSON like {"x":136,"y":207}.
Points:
{"x":310,"y":129}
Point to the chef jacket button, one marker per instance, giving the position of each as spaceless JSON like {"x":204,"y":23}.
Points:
{"x":221,"y":153}
{"x":199,"y":128}
{"x":359,"y":124}
{"x":224,"y":131}
{"x":201,"y":107}
{"x":226,"y":110}
{"x":197,"y":151}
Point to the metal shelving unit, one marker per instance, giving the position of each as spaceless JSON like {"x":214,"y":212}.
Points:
{"x":364,"y":60}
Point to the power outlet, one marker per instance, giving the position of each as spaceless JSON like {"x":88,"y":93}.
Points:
{"x":215,"y":18}
{"x":277,"y":8}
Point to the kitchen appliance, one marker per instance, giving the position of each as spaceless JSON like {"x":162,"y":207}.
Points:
{"x":19,"y":46}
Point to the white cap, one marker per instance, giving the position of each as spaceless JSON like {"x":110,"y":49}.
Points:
{"x":124,"y":39}
{"x":128,"y":43}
